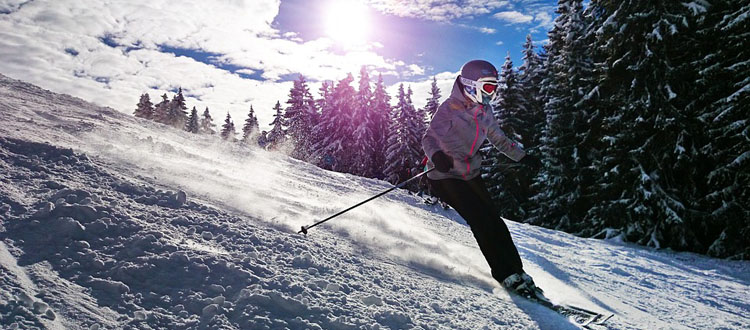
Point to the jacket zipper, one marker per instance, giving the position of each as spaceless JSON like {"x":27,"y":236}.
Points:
{"x":473,"y":144}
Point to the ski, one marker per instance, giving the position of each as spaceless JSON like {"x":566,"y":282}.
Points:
{"x":582,"y":317}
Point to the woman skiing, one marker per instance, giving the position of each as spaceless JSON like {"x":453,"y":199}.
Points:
{"x":457,"y":130}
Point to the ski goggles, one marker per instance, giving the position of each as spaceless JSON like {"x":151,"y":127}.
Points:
{"x":486,"y":85}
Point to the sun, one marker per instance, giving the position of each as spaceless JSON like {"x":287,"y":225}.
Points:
{"x":347,"y":22}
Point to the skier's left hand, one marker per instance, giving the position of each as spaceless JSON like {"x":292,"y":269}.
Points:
{"x":531,"y":161}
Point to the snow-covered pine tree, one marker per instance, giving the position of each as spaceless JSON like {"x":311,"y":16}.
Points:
{"x":277,"y":136}
{"x":334,"y":146}
{"x":192,"y":125}
{"x":644,"y":185}
{"x":228,"y":131}
{"x":363,"y":135}
{"x":529,"y":81}
{"x":531,"y":120}
{"x":510,"y":188}
{"x":558,"y":143}
{"x":251,"y":129}
{"x":301,"y":116}
{"x":404,"y":151}
{"x":318,"y":132}
{"x":420,"y":120}
{"x":207,"y":125}
{"x":161,"y":110}
{"x":380,"y":113}
{"x":433,"y":102}
{"x":144,"y":109}
{"x":177,"y":111}
{"x":723,"y":92}
{"x":510,"y":104}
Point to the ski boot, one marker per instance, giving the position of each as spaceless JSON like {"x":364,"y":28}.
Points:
{"x":523,"y":285}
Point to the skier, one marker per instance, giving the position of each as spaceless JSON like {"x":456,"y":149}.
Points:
{"x":457,"y":130}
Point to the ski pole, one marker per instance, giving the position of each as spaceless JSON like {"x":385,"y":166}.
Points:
{"x":306,"y":228}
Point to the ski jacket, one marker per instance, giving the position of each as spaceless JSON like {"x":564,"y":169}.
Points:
{"x":458,"y":128}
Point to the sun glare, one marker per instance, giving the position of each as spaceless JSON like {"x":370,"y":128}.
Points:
{"x":347,"y":22}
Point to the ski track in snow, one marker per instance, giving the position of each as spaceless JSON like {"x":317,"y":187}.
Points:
{"x":94,"y":234}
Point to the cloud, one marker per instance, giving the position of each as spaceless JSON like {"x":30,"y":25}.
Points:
{"x":111,"y":52}
{"x":544,"y":20}
{"x":437,"y":10}
{"x":481,"y":29}
{"x":499,"y":43}
{"x":416,"y":69}
{"x":421,"y":88}
{"x":487,"y":30}
{"x":513,"y":17}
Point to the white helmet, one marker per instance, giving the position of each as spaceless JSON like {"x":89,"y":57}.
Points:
{"x":479,"y":81}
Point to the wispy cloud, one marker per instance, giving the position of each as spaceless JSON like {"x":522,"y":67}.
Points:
{"x":437,"y":10}
{"x":544,"y":20}
{"x":421,"y":89}
{"x":487,"y":30}
{"x":513,"y":17}
{"x":481,"y":29}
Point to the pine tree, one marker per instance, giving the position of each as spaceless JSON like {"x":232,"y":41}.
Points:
{"x":301,"y":116}
{"x":723,"y":98}
{"x":645,"y":178}
{"x":510,"y":104}
{"x":335,"y":128}
{"x":177,"y":111}
{"x":277,"y":135}
{"x":380,"y":120}
{"x":566,"y":145}
{"x":509,"y":188}
{"x":251,"y":129}
{"x":144,"y":109}
{"x":529,"y":81}
{"x":363,"y":134}
{"x":433,"y":102}
{"x":420,"y":120}
{"x":161,"y":110}
{"x":207,"y":125}
{"x":192,"y":122}
{"x":228,"y":132}
{"x":558,"y":137}
{"x":404,"y":151}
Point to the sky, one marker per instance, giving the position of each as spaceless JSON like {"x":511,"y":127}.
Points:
{"x":229,"y":54}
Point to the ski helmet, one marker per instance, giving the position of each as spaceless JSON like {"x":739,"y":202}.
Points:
{"x":479,"y":81}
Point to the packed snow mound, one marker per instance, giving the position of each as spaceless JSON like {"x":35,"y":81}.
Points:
{"x":110,"y":222}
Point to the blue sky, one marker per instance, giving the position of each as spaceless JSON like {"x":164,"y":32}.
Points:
{"x":437,"y":43}
{"x":229,"y":54}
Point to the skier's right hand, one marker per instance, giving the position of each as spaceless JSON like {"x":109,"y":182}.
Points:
{"x":443,"y":162}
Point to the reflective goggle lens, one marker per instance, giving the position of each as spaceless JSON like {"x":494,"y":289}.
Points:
{"x":489,"y":88}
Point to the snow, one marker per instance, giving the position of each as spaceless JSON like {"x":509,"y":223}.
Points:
{"x":695,"y":7}
{"x":741,"y":159}
{"x":109,"y":221}
{"x":670,"y":93}
{"x":737,"y":94}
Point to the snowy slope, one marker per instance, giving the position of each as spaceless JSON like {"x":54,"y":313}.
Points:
{"x":96,"y":232}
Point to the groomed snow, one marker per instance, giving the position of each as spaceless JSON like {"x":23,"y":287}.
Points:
{"x":108,"y":221}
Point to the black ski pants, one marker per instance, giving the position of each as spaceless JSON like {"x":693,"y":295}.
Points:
{"x":472,"y":201}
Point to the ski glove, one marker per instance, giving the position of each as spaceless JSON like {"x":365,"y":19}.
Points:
{"x":531,"y":161}
{"x":443,"y":162}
